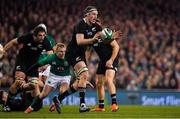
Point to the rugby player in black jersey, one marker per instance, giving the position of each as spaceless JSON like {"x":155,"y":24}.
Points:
{"x":84,"y":34}
{"x":107,"y":67}
{"x":33,"y":44}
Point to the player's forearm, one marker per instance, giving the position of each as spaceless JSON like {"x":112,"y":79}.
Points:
{"x":10,"y":44}
{"x":86,"y":41}
{"x":82,"y":41}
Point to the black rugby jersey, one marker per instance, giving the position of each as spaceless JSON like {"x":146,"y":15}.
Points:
{"x":103,"y":50}
{"x":32,"y":49}
{"x":88,"y":31}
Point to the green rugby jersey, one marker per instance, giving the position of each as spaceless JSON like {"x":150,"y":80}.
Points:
{"x":59,"y":66}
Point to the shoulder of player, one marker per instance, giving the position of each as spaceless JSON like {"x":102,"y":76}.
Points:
{"x":81,"y":23}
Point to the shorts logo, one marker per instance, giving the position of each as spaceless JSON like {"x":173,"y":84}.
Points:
{"x":78,"y":59}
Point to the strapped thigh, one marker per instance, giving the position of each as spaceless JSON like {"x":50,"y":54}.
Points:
{"x":33,"y":80}
{"x":81,"y":70}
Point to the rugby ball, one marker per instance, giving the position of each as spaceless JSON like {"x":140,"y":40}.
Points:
{"x":107,"y":34}
{"x":1,"y":51}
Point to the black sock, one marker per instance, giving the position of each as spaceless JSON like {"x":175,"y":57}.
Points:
{"x":36,"y":101}
{"x":82,"y":91}
{"x":113,"y":97}
{"x":101,"y":103}
{"x":68,"y":92}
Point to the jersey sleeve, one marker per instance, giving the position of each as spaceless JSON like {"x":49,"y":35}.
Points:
{"x":45,"y":60}
{"x":80,"y":28}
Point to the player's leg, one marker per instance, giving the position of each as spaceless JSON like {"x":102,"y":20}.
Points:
{"x":101,"y":93}
{"x":64,"y":85}
{"x":38,"y":99}
{"x":82,"y":72}
{"x":78,"y":62}
{"x":49,"y":85}
{"x":71,"y":89}
{"x":100,"y":80}
{"x":109,"y":76}
{"x":32,"y":79}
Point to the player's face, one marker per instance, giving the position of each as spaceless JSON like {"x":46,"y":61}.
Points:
{"x":40,"y":37}
{"x":93,"y":16}
{"x":61,"y":52}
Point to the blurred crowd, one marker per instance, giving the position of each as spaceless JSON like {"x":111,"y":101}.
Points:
{"x":150,"y":45}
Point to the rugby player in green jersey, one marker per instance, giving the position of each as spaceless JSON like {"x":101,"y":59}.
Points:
{"x":59,"y":74}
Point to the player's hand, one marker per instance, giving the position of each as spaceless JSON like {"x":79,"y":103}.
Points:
{"x":116,"y":35}
{"x":109,"y":64}
{"x":90,"y":84}
{"x":97,"y":37}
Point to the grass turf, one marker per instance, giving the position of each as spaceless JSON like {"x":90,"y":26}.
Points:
{"x":123,"y":112}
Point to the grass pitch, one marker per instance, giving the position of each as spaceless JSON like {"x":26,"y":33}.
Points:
{"x":123,"y":112}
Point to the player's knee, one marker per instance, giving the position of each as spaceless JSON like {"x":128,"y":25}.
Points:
{"x":99,"y":83}
{"x":84,"y":76}
{"x":63,"y":88}
{"x":109,"y":81}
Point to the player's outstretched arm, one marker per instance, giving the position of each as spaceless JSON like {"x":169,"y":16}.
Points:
{"x":10,"y":44}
